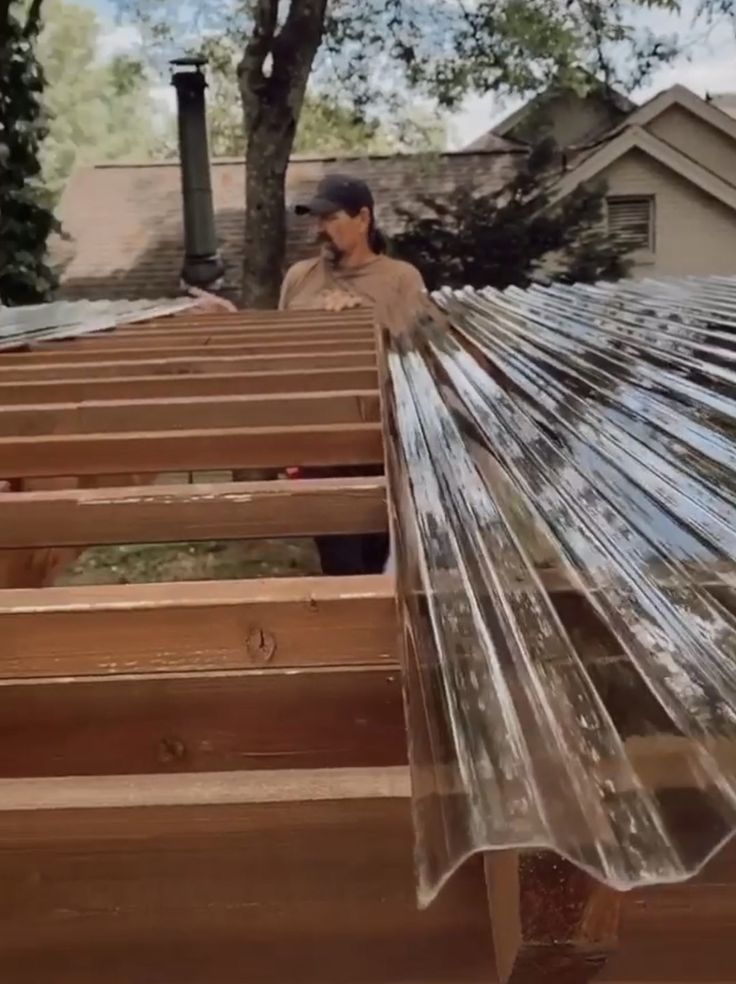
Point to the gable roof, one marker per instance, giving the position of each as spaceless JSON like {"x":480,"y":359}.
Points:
{"x":679,"y":95}
{"x":615,"y":98}
{"x":725,"y":101}
{"x":634,"y":137}
{"x":124,"y":221}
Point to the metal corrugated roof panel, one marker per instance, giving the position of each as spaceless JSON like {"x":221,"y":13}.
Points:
{"x":564,"y":471}
{"x":61,"y":320}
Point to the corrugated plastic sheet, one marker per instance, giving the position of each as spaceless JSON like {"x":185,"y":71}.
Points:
{"x":62,"y":320}
{"x":564,"y":471}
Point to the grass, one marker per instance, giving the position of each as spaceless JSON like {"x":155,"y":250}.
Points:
{"x":211,"y":560}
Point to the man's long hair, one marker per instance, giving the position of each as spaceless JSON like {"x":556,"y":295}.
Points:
{"x":376,"y":239}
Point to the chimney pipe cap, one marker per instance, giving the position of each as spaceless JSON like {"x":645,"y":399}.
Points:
{"x":189,"y":61}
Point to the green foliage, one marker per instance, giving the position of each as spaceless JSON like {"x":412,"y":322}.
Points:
{"x":98,"y":110}
{"x":26,"y":221}
{"x":512,"y":236}
{"x":326,"y":126}
{"x":375,"y":51}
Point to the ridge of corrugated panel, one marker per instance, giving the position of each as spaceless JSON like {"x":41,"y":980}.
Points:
{"x":563,"y":466}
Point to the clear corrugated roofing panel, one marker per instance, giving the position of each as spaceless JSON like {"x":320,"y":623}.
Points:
{"x":61,"y":320}
{"x":564,"y":472}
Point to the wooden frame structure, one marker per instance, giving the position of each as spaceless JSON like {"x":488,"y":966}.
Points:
{"x":207,"y":782}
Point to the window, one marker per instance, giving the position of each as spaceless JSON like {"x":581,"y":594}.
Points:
{"x":631,"y":221}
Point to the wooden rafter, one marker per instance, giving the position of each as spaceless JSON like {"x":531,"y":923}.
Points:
{"x":328,"y":717}
{"x":189,"y":413}
{"x":186,"y":348}
{"x":164,"y":514}
{"x":190,"y":450}
{"x":280,"y":320}
{"x":551,"y":921}
{"x":122,"y":368}
{"x":161,"y":387}
{"x":222,"y":334}
{"x":197,"y":626}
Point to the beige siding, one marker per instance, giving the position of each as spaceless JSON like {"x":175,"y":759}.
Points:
{"x":700,"y":141}
{"x":694,"y":233}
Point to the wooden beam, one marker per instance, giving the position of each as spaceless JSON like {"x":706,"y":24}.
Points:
{"x":167,"y":514}
{"x":162,"y":387}
{"x":257,"y":319}
{"x":319,"y":718}
{"x":200,"y":450}
{"x":551,"y":921}
{"x":197,"y":626}
{"x":175,"y":366}
{"x":260,"y":410}
{"x":108,"y":350}
{"x":266,"y":338}
{"x":208,"y":789}
{"x":319,"y":891}
{"x":34,"y":567}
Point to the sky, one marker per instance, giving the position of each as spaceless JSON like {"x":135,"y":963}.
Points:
{"x":709,"y":66}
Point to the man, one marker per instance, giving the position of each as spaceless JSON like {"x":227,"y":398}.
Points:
{"x":352,"y":270}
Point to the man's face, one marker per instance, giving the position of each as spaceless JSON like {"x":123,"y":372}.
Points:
{"x":341,"y":234}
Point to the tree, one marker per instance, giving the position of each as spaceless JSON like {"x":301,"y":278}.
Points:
{"x":378,"y":52}
{"x":513,"y":235}
{"x":92,"y":103}
{"x":326,"y":125}
{"x":26,"y":219}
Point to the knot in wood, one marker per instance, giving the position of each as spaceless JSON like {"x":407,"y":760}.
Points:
{"x":171,"y":750}
{"x":260,"y":645}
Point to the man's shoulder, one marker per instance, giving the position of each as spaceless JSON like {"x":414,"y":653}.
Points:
{"x":401,"y":269}
{"x":302,"y":268}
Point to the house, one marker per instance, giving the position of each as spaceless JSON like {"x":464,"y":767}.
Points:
{"x":670,"y":168}
{"x":123,"y":222}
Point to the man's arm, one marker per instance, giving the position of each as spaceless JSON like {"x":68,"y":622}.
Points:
{"x":287,"y":288}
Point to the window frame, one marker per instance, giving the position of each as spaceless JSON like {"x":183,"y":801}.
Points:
{"x":650,"y":200}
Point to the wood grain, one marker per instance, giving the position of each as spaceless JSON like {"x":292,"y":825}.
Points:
{"x":272,"y":320}
{"x":184,"y":348}
{"x":278,"y":893}
{"x":197,"y":626}
{"x":188,"y":413}
{"x":334,"y":717}
{"x":167,"y":514}
{"x":163,"y":387}
{"x":268,"y":339}
{"x":174,"y":366}
{"x":551,"y":921}
{"x":190,"y":450}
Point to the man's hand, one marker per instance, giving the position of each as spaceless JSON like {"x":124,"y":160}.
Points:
{"x":209,"y":303}
{"x":340,"y":300}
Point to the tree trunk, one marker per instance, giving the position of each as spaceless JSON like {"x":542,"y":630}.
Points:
{"x":273,"y":79}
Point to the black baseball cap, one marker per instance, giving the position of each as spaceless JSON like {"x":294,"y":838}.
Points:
{"x":338,"y":192}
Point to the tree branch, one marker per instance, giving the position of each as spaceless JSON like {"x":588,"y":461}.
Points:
{"x":4,"y":17}
{"x":33,"y":18}
{"x":296,"y":44}
{"x":258,"y":48}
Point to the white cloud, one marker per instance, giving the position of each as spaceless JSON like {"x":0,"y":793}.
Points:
{"x":712,"y":72}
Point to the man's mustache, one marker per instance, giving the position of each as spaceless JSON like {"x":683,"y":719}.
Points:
{"x":329,"y":249}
